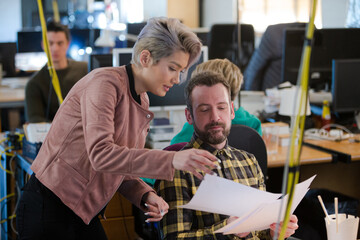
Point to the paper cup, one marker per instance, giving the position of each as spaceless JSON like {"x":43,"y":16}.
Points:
{"x":347,"y":227}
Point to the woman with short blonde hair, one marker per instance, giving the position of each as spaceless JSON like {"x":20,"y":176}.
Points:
{"x":95,"y":145}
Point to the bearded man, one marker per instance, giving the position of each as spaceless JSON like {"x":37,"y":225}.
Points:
{"x":210,"y":110}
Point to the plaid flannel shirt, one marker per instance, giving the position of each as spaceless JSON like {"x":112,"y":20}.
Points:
{"x":180,"y":223}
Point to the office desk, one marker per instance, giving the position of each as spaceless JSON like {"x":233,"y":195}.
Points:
{"x":12,"y":95}
{"x":276,"y":162}
{"x":311,"y":155}
{"x":344,"y":146}
{"x":339,"y":177}
{"x":308,"y":156}
{"x":12,"y":92}
{"x":11,"y":98}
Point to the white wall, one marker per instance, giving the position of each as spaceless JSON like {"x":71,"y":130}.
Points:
{"x":10,"y":20}
{"x":334,"y":13}
{"x":218,"y":11}
{"x":215,"y":11}
{"x":10,"y":17}
{"x":224,"y":11}
{"x":155,"y":8}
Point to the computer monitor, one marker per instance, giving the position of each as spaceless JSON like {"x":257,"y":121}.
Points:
{"x":328,"y":44}
{"x":133,"y":29}
{"x":175,"y":96}
{"x":29,"y":62}
{"x":121,"y":56}
{"x":203,"y":35}
{"x":29,"y":41}
{"x":100,"y":60}
{"x":7,"y":58}
{"x":346,"y":85}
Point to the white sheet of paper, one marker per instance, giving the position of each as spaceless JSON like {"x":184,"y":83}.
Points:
{"x":256,"y":209}
{"x":36,"y":132}
{"x":223,"y":196}
{"x":267,"y":213}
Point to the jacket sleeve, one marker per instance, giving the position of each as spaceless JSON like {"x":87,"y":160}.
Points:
{"x":134,"y":189}
{"x":98,"y":104}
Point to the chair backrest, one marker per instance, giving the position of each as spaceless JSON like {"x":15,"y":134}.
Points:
{"x":223,"y":43}
{"x":175,"y":147}
{"x":244,"y":138}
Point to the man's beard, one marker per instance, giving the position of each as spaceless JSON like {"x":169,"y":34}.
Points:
{"x":208,"y":137}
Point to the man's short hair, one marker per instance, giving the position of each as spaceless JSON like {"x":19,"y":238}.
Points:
{"x":207,"y":78}
{"x":53,"y":26}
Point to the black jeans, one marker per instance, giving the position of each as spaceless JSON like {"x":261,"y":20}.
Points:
{"x":42,"y":215}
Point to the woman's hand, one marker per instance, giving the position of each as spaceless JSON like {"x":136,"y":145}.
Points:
{"x":156,"y":207}
{"x":194,"y":160}
{"x":291,"y":227}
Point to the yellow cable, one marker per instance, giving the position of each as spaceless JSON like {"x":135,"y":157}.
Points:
{"x":9,"y":195}
{"x":299,"y":121}
{"x":52,"y":72}
{"x":7,"y":154}
{"x":5,"y":149}
{"x":7,"y":171}
{"x":56,"y":11}
{"x":9,"y":218}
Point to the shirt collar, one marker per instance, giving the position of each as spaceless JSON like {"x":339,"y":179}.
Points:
{"x":197,"y":143}
{"x":130,"y":74}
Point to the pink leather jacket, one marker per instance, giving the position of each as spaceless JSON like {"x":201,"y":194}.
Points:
{"x":95,"y":145}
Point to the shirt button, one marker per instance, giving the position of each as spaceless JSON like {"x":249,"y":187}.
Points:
{"x":148,"y":116}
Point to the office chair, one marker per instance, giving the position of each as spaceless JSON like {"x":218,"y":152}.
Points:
{"x":223,"y":43}
{"x":246,"y":138}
